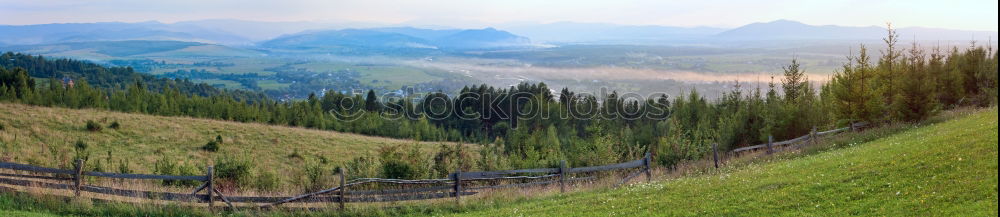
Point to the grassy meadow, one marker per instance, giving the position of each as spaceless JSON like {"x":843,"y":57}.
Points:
{"x":944,"y":169}
{"x":947,"y":167}
{"x":47,"y":136}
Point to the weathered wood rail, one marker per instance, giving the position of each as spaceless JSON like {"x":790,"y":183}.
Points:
{"x":456,"y":185}
{"x":808,"y":137}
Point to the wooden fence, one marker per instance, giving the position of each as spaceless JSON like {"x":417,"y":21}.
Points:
{"x":456,"y":185}
{"x":811,"y":138}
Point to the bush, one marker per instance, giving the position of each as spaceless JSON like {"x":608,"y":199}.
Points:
{"x":81,"y":150}
{"x":397,"y":170}
{"x":398,"y":163}
{"x":2,"y":127}
{"x":267,"y":180}
{"x":211,"y":146}
{"x":314,"y":175}
{"x":364,"y":166}
{"x":295,"y":154}
{"x":236,"y":170}
{"x":81,"y":146}
{"x":167,"y":166}
{"x":114,"y":125}
{"x":93,"y":126}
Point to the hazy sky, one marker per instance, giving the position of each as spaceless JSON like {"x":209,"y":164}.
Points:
{"x":954,"y":14}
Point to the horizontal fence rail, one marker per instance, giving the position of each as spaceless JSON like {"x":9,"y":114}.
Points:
{"x":769,"y":145}
{"x":456,"y":184}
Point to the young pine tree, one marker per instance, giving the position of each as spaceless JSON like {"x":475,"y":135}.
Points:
{"x":855,"y":98}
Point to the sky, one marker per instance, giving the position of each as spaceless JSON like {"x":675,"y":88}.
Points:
{"x":951,"y":14}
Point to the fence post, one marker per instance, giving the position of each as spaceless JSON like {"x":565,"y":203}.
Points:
{"x":343,"y":182}
{"x":562,"y":176}
{"x":715,"y":154}
{"x":458,"y":186}
{"x":647,"y":162}
{"x":210,"y":187}
{"x":812,"y":136}
{"x":77,"y":176}
{"x":770,"y":139}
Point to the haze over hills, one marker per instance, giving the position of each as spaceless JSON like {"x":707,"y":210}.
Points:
{"x":399,"y":37}
{"x":112,"y":31}
{"x":246,"y":33}
{"x":609,"y":33}
{"x":792,"y":30}
{"x":134,"y":49}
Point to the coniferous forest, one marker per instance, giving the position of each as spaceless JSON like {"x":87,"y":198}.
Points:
{"x":528,"y":125}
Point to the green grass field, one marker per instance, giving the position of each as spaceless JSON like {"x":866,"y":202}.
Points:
{"x":224,"y":83}
{"x":24,"y":214}
{"x":946,"y":169}
{"x":387,"y":76}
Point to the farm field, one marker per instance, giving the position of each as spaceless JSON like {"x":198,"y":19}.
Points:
{"x":945,"y":169}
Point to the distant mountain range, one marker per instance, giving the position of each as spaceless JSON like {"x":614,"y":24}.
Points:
{"x":113,"y":31}
{"x":319,"y":36}
{"x":93,"y":50}
{"x":600,"y":33}
{"x":400,"y":37}
{"x":571,"y":32}
{"x":792,"y":30}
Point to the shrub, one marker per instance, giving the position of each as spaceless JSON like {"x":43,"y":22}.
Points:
{"x":295,"y":154}
{"x":267,"y":180}
{"x":93,"y":126}
{"x":218,"y":139}
{"x":81,"y":150}
{"x":397,"y":170}
{"x":114,"y":125}
{"x":168,"y":166}
{"x":236,"y":170}
{"x":80,"y":145}
{"x":364,"y":166}
{"x":397,"y":164}
{"x":2,"y":127}
{"x":184,"y":169}
{"x":164,"y":166}
{"x":211,"y":146}
{"x":315,"y":175}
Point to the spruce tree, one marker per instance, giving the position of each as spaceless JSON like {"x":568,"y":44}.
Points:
{"x":853,"y":91}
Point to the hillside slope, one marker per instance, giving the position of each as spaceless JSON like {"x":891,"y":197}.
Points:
{"x":46,"y":136}
{"x":946,"y":169}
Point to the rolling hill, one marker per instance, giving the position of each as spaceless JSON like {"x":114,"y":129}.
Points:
{"x":944,"y":169}
{"x":113,"y":31}
{"x":347,"y":38}
{"x":598,"y":33}
{"x":46,"y":136}
{"x":100,"y":50}
{"x":398,"y":38}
